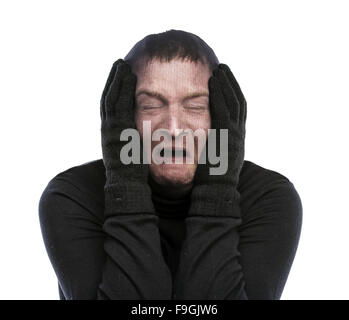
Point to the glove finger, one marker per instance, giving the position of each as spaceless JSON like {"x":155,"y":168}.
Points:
{"x":113,"y":92}
{"x":229,"y":95}
{"x":218,"y":109}
{"x":243,"y":113}
{"x":125,"y":104}
{"x":106,"y":87}
{"x":240,"y":96}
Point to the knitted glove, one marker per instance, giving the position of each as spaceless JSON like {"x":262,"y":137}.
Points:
{"x":216,"y":195}
{"x":126,"y":188}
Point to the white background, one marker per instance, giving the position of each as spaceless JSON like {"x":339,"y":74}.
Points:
{"x":290,"y":58}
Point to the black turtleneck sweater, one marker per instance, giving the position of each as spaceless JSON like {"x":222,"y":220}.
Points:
{"x":263,"y":242}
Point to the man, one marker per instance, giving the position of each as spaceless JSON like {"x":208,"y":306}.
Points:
{"x":166,"y":230}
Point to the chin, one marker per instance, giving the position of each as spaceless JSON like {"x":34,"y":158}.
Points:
{"x":175,"y":174}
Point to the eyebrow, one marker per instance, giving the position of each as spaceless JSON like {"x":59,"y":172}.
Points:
{"x":162,"y":98}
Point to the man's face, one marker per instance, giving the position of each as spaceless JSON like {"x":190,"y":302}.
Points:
{"x":173,"y":108}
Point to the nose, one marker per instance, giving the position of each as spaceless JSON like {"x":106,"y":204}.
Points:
{"x":174,"y":121}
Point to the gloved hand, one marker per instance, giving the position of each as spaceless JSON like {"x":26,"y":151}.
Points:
{"x":216,"y":194}
{"x":126,"y":186}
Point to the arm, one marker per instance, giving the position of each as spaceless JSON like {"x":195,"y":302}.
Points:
{"x":95,"y":258}
{"x":211,"y":265}
{"x":242,"y":257}
{"x":134,"y":267}
{"x":124,"y":261}
{"x":269,"y":238}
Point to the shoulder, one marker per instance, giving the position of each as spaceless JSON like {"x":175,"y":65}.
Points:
{"x":252,"y":174}
{"x":81,"y":185}
{"x":267,"y":190}
{"x":88,"y":178}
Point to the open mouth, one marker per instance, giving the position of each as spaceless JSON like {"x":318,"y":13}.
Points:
{"x":179,"y":153}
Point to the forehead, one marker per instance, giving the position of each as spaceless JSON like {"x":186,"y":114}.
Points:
{"x":173,"y":77}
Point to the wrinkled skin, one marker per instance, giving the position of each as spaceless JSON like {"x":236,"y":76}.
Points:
{"x":174,"y":81}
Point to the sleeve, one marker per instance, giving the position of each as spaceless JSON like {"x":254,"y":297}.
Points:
{"x":241,"y":257}
{"x":113,"y":257}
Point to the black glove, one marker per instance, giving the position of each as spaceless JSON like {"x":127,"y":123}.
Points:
{"x":126,"y":188}
{"x":216,"y":194}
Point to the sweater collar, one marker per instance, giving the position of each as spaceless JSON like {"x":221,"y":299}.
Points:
{"x":167,"y":202}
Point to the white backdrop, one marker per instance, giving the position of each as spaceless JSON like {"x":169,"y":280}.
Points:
{"x":290,"y":58}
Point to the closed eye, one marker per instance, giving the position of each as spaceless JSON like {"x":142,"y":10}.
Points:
{"x":148,"y":107}
{"x":198,"y":107}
